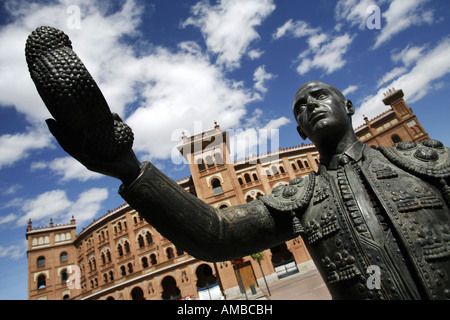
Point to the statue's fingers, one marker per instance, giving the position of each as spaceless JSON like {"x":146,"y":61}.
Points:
{"x":64,"y":138}
{"x":54,"y":128}
{"x":116,"y":117}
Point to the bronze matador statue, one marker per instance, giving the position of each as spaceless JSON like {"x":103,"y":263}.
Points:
{"x":387,"y":208}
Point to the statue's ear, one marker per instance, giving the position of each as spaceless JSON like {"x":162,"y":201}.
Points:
{"x":301,"y":133}
{"x":350,"y":108}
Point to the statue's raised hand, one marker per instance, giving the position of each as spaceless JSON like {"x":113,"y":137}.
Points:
{"x":83,"y":125}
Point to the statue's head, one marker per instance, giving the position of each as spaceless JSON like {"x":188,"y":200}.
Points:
{"x":321,"y":111}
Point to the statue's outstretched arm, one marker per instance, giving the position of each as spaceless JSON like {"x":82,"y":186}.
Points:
{"x":205,"y":232}
{"x":87,"y":130}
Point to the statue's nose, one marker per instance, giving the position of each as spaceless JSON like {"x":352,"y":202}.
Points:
{"x":311,"y":103}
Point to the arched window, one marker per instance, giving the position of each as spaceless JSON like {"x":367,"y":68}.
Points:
{"x":94,"y":265}
{"x":127,"y":247}
{"x":294,"y":166}
{"x":149,"y":238}
{"x":170,"y":254}
{"x":275,"y":170}
{"x":201,"y":164}
{"x":396,"y":139}
{"x":218,"y":158}
{"x":41,"y":261}
{"x":209,"y":162}
{"x":223,"y":206}
{"x":144,"y":261}
{"x":137,"y":294}
{"x":108,"y":256}
{"x":153,"y":260}
{"x":306,"y":164}
{"x":281,"y":169}
{"x":249,"y":199}
{"x":41,"y":282}
{"x":105,"y":278}
{"x":240,"y":181}
{"x":120,"y":250}
{"x":111,"y":276}
{"x":217,"y":188}
{"x":103,"y":258}
{"x":123,"y":271}
{"x":63,"y":257}
{"x":141,"y":241}
{"x":255,"y":177}
{"x":130,"y":268}
{"x":64,"y":276}
{"x":300,"y":164}
{"x":247,"y":178}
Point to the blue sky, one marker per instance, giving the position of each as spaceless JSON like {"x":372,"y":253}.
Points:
{"x":168,"y":66}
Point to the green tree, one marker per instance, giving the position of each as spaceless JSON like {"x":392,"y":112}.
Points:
{"x":259,"y":256}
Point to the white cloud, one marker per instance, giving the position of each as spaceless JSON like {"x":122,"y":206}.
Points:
{"x":257,"y":138}
{"x":15,"y":147}
{"x":56,"y":205}
{"x":14,"y":251}
{"x":178,"y":89}
{"x":68,"y":168}
{"x":7,"y":219}
{"x":392,"y":74}
{"x":349,"y":89}
{"x":11,"y":189}
{"x":408,"y":55}
{"x":47,"y":205}
{"x":296,"y":29}
{"x":87,"y":206}
{"x":401,"y":15}
{"x":255,"y":54}
{"x":416,"y":83}
{"x":398,"y":16}
{"x":324,"y":51}
{"x":229,"y":28}
{"x":316,"y":40}
{"x":329,"y":56}
{"x":355,"y":11}
{"x":260,"y":77}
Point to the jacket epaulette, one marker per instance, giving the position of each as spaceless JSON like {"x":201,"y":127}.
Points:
{"x":296,"y":195}
{"x":426,"y":159}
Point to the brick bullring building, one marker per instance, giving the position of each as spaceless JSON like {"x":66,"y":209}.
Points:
{"x":120,"y":256}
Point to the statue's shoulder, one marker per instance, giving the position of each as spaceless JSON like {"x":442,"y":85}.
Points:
{"x":294,"y":196}
{"x":428,"y":158}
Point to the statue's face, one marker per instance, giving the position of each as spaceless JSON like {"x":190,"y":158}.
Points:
{"x":320,"y":111}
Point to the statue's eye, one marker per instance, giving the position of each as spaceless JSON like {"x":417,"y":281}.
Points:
{"x":322,"y":96}
{"x":301,"y":107}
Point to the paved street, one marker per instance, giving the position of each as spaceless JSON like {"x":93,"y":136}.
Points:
{"x":306,"y":285}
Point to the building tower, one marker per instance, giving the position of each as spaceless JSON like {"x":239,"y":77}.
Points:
{"x":50,"y":254}
{"x":212,"y":169}
{"x":397,"y":124}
